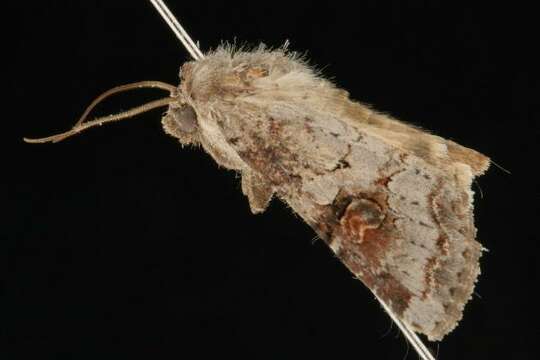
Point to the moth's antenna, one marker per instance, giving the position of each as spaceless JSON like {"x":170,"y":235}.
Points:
{"x":82,"y":125}
{"x":122,"y":88}
{"x":175,"y":26}
{"x":421,"y":349}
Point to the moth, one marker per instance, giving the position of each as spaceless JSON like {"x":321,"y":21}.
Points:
{"x":393,"y":202}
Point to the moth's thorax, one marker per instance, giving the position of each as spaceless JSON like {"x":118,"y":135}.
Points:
{"x":227,"y":74}
{"x":223,"y":84}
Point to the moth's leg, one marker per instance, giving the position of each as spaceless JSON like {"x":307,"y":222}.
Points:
{"x":258,"y":190}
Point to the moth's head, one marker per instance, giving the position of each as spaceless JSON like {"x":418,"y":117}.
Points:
{"x":181,"y":122}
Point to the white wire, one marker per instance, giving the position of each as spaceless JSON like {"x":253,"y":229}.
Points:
{"x":421,"y":349}
{"x":175,"y":26}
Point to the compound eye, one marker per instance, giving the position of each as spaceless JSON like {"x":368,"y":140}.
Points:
{"x":185,"y":118}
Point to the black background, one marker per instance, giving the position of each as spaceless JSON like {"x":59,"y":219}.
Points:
{"x":119,"y":242}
